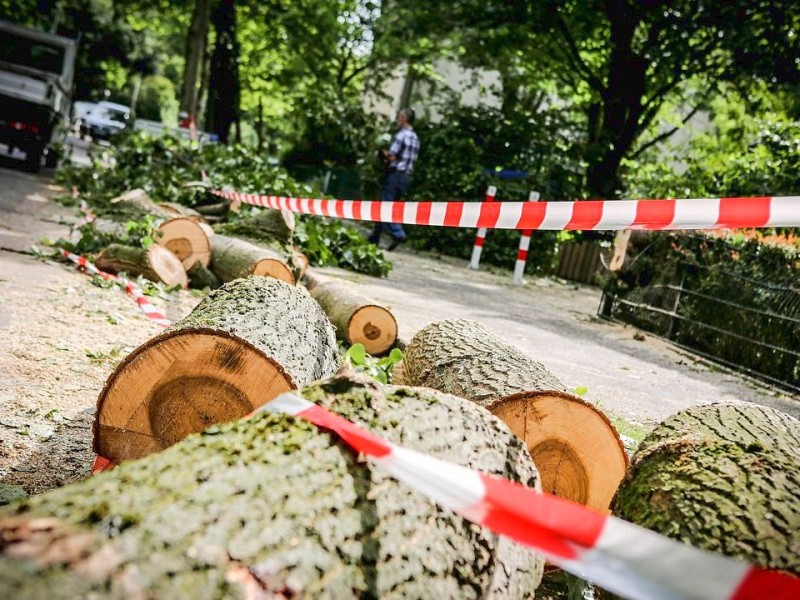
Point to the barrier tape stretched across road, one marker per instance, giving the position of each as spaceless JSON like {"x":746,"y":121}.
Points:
{"x":616,"y":555}
{"x":697,"y":213}
{"x":150,"y":311}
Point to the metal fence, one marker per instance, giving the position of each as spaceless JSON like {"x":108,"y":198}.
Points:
{"x":739,"y":321}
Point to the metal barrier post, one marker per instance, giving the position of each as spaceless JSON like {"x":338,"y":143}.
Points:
{"x":475,"y":261}
{"x":524,"y":244}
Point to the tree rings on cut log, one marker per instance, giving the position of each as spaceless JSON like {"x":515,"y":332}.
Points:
{"x":586,"y":465}
{"x":187,"y":239}
{"x":581,"y":455}
{"x":356,"y":318}
{"x":178,"y":384}
{"x":244,"y":344}
{"x":155,"y":263}
{"x":375,"y":327}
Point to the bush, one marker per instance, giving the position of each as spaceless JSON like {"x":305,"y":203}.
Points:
{"x":157,"y":100}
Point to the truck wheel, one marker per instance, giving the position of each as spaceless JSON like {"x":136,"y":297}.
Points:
{"x":51,"y":159}
{"x":33,"y":160}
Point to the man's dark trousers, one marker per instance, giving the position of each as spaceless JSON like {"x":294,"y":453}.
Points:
{"x":394,"y":188}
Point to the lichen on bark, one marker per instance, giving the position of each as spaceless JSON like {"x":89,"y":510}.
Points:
{"x":276,"y":505}
{"x":723,"y":477}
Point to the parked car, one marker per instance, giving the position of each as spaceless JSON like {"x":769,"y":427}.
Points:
{"x":105,"y":120}
{"x":80,"y":110}
{"x":36,"y":72}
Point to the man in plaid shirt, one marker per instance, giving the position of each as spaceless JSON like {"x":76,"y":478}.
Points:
{"x":401,"y":156}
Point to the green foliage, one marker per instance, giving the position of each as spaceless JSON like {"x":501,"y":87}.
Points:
{"x":329,"y":242}
{"x":90,"y":241}
{"x":157,"y":100}
{"x":162,"y":167}
{"x":380,"y":369}
{"x":741,"y":155}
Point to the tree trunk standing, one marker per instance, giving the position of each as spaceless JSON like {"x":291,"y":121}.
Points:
{"x":224,"y":86}
{"x":576,"y":449}
{"x":244,"y":344}
{"x":196,"y":41}
{"x":614,"y":120}
{"x":722,"y":477}
{"x":273,"y":507}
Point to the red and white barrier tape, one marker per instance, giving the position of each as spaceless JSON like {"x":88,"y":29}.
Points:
{"x":131,"y":288}
{"x":698,"y":213}
{"x":616,"y":555}
{"x":480,"y":236}
{"x":524,"y":245}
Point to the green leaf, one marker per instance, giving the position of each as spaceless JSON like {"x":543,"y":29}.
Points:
{"x":580,"y":391}
{"x":357,"y":354}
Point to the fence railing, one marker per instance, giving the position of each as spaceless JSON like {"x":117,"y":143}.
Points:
{"x":739,"y":321}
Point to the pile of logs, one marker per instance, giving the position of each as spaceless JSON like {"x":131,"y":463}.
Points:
{"x":271,"y":507}
{"x":189,"y":251}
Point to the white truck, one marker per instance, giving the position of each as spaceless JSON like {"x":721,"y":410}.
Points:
{"x":36,"y":72}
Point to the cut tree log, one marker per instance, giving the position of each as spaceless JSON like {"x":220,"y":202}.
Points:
{"x":244,"y":344}
{"x":269,"y":227}
{"x":272,"y":507}
{"x":187,"y":238}
{"x":723,"y":477}
{"x":155,"y":263}
{"x":137,"y":201}
{"x":178,"y":210}
{"x":357,"y":319}
{"x":232,"y":258}
{"x":575,"y":447}
{"x":217,"y":210}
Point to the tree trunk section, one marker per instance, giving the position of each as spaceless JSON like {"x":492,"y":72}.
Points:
{"x":224,"y":86}
{"x":577,"y":450}
{"x":232,"y":258}
{"x":357,"y":319}
{"x":723,"y":477}
{"x":244,"y":344}
{"x":178,"y":210}
{"x":269,"y":227}
{"x":155,"y":263}
{"x":272,"y":507}
{"x":196,"y":40}
{"x":138,"y":203}
{"x":186,"y":238}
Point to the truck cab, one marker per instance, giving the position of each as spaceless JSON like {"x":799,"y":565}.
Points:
{"x":36,"y":73}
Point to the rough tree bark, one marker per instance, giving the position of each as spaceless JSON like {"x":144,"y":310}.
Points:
{"x":272,"y":507}
{"x":155,"y":263}
{"x":196,"y":41}
{"x":724,"y":477}
{"x":223,"y":87}
{"x":244,"y":344}
{"x":576,"y":449}
{"x":357,"y":319}
{"x":232,"y":258}
{"x":271,"y":227}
